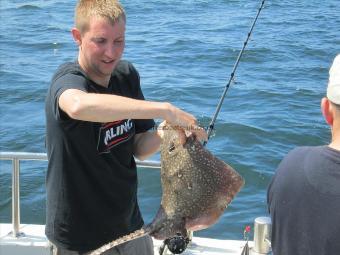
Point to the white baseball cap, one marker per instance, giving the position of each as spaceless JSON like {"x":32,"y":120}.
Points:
{"x":333,"y":89}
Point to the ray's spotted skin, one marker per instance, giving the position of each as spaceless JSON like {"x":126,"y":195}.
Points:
{"x":196,"y":186}
{"x":196,"y":189}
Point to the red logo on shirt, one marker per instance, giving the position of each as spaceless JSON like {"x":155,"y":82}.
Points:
{"x":114,"y":133}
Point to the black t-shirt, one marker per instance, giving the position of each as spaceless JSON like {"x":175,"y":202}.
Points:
{"x":91,"y":180}
{"x":304,"y":203}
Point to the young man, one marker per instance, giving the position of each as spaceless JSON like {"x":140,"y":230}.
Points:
{"x":96,"y":122}
{"x":304,"y":195}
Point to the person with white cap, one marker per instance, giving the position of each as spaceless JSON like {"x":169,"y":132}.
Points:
{"x":304,"y":194}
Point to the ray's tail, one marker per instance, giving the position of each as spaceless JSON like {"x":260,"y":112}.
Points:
{"x":134,"y":235}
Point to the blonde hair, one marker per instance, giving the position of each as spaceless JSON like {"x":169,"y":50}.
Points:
{"x":87,"y":9}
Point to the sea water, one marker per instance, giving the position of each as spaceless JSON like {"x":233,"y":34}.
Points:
{"x":184,"y":52}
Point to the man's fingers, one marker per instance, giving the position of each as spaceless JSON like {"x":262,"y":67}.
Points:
{"x":181,"y":136}
{"x":198,"y":132}
{"x":160,"y":129}
{"x":201,"y":134}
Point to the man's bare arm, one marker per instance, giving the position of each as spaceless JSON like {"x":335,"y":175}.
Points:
{"x":105,"y":108}
{"x":146,"y":144}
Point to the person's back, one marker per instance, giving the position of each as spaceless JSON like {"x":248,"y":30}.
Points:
{"x":304,"y":199}
{"x":304,"y":194}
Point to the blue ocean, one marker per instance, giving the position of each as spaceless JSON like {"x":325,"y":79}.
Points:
{"x":184,"y":52}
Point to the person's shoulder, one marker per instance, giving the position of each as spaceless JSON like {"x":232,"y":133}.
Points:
{"x":301,"y":152}
{"x":309,"y":149}
{"x":296,"y":154}
{"x":125,"y":67}
{"x":68,"y":68}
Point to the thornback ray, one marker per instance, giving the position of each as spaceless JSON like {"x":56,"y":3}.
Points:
{"x":196,"y":189}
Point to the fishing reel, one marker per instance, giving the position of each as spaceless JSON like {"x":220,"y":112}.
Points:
{"x":176,"y":244}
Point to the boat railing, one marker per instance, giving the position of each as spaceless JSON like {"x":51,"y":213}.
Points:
{"x":262,"y":225}
{"x":16,"y":157}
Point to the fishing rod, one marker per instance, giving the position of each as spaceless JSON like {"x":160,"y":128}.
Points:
{"x":218,"y":108}
{"x":178,"y":243}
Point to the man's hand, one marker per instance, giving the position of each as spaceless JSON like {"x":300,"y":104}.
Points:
{"x":184,"y":132}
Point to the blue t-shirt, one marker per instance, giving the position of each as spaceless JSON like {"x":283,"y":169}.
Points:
{"x":304,"y":203}
{"x":91,"y":178}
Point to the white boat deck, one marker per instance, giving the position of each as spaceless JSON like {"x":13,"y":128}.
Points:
{"x":34,"y":242}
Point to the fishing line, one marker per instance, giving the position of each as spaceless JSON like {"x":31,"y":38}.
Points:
{"x":218,"y":108}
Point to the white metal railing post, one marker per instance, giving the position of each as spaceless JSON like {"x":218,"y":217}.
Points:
{"x":16,"y":197}
{"x":262,"y":235}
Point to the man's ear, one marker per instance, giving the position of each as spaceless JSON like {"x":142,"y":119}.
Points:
{"x":76,"y":35}
{"x":327,"y":111}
